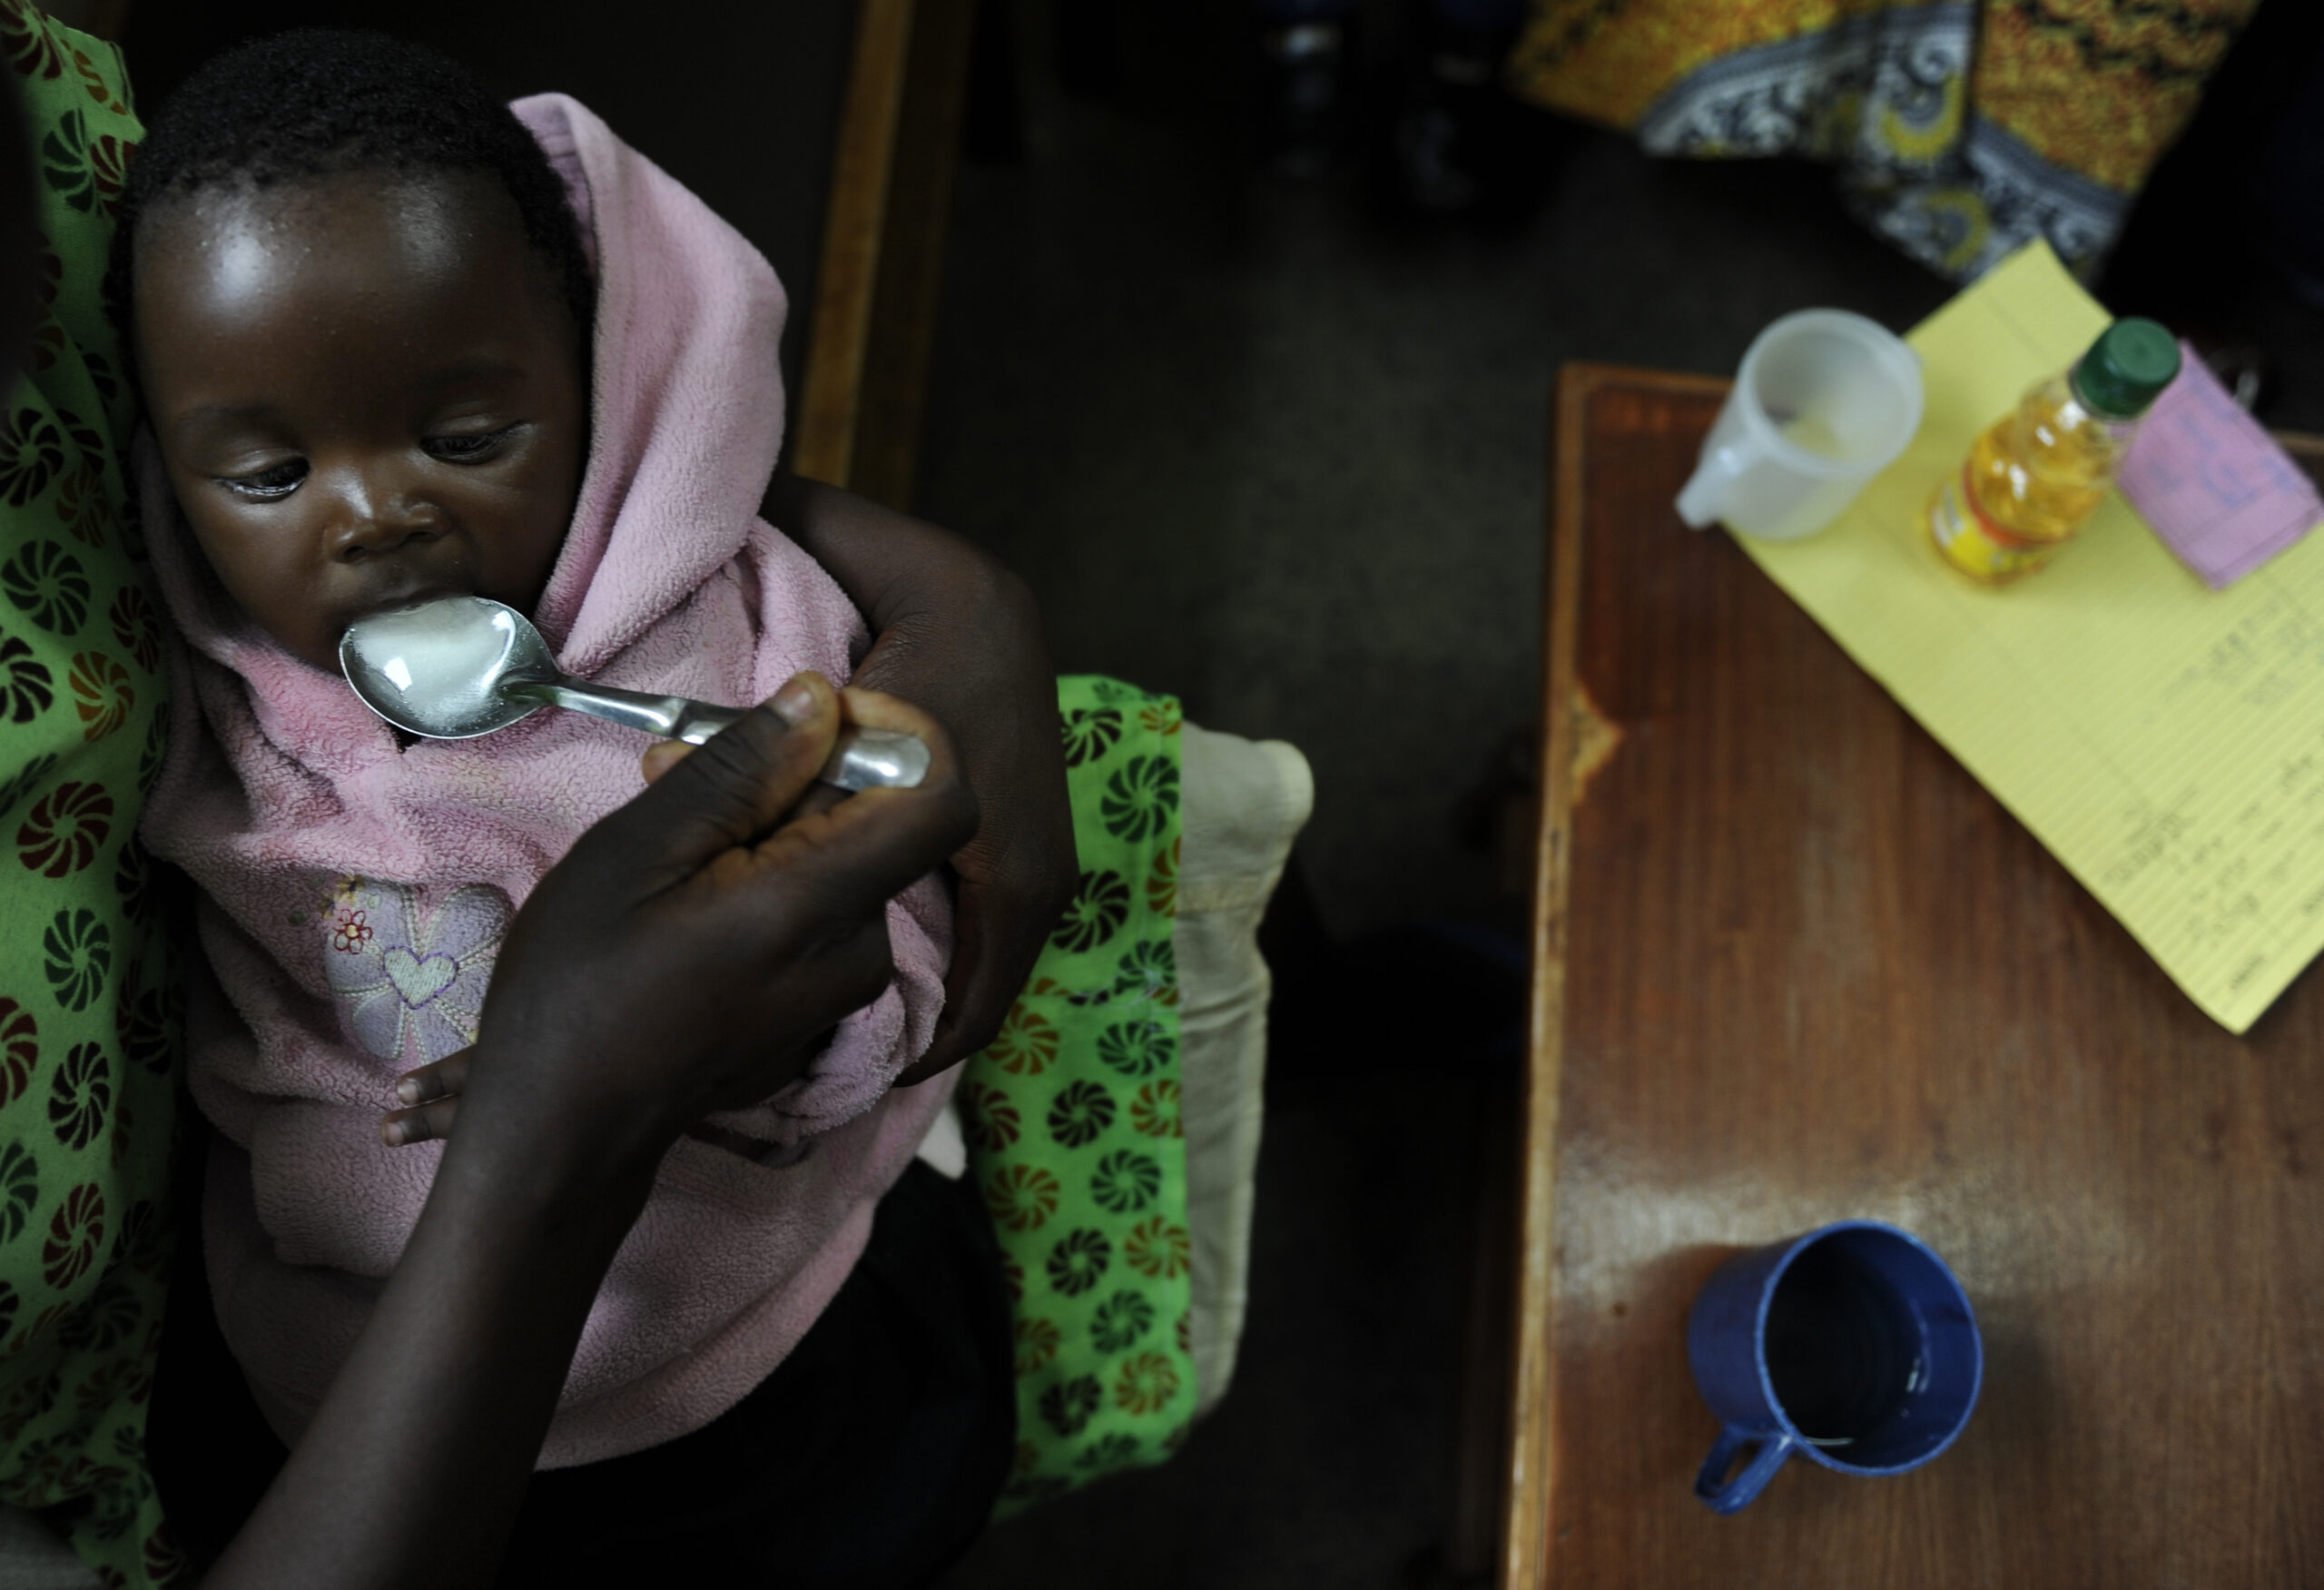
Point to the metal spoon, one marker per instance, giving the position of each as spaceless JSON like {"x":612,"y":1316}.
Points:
{"x":454,"y":667}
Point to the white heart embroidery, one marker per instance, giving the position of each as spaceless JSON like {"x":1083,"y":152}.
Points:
{"x":418,"y":979}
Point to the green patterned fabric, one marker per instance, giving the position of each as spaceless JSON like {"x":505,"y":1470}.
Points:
{"x":1073,"y":1128}
{"x":87,"y":1040}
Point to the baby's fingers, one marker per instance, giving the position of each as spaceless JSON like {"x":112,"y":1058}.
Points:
{"x":445,"y":1078}
{"x":431,"y":1096}
{"x":420,"y":1123}
{"x":663,"y":755}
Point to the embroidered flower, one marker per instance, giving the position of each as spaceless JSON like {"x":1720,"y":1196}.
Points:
{"x":410,"y":977}
{"x":77,"y":956}
{"x":1108,"y":1452}
{"x":1155,"y":1111}
{"x":43,"y":580}
{"x":65,"y":162}
{"x":31,"y":48}
{"x":1065,"y":1407}
{"x":79,"y":1095}
{"x":74,"y":1235}
{"x":1125,"y":1182}
{"x":164,"y":1560}
{"x":64,"y":828}
{"x":1079,"y":1260}
{"x":105,"y":1320}
{"x":1162,"y":882}
{"x":987,"y":1117}
{"x":1146,"y":1382}
{"x":1036,"y":1343}
{"x":19,"y":1188}
{"x":19,"y":1049}
{"x":1090,"y":918}
{"x":26,"y":688}
{"x":1136,"y":1049}
{"x":1090,"y":734}
{"x":1021,"y":1197}
{"x":1080,"y":1114}
{"x":1139,"y":798}
{"x":81,"y":504}
{"x":1159,"y":1248}
{"x":1026,"y":1044}
{"x":1120,"y":1321}
{"x":27,"y":779}
{"x":149,"y":759}
{"x":1149,"y":971}
{"x":137,"y":625}
{"x":101,"y":694}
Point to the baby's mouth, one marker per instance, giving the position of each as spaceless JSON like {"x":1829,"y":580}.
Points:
{"x":405,"y":592}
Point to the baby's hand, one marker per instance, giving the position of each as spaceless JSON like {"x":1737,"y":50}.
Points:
{"x":431,"y":1097}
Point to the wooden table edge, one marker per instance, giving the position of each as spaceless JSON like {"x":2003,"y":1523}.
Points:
{"x":1528,"y":1529}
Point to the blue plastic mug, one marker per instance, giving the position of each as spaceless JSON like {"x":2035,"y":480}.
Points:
{"x":1853,"y":1344}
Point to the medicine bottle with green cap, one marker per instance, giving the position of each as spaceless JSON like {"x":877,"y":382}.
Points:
{"x":2038,"y":474}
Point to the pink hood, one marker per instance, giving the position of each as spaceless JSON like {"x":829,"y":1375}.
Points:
{"x":356,"y":889}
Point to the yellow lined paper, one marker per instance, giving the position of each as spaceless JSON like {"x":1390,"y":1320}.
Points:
{"x":2165,"y":741}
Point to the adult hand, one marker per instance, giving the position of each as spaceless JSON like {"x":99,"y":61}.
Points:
{"x":674,"y":951}
{"x":960,"y":636}
{"x":677,"y":962}
{"x":840,"y":974}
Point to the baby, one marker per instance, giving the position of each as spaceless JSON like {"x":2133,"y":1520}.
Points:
{"x":395,"y":340}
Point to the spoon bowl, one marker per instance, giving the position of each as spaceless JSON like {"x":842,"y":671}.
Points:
{"x":437,"y":668}
{"x":455,"y":667}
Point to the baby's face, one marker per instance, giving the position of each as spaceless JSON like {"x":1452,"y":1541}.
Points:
{"x":367,"y":391}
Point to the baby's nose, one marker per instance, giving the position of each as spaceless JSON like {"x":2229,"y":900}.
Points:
{"x":372,"y":523}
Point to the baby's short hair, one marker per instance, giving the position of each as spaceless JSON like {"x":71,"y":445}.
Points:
{"x":321,"y":101}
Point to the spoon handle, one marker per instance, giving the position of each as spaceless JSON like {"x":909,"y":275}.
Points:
{"x":861,"y":759}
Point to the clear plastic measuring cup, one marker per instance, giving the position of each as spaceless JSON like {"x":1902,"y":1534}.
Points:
{"x":1826,"y":399}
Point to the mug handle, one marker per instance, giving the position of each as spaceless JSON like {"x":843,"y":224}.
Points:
{"x":1705,"y":494}
{"x":1745,"y":1487}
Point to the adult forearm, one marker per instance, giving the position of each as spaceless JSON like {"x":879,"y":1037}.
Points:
{"x":907,"y":577}
{"x":414,"y":1469}
{"x":960,"y":636}
{"x":679,"y":961}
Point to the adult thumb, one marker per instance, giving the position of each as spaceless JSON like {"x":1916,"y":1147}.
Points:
{"x":733,"y":789}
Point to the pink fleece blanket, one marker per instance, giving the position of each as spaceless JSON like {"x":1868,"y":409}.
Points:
{"x":357,"y":890}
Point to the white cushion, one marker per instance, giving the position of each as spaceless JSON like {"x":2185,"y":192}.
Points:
{"x":1243,"y":803}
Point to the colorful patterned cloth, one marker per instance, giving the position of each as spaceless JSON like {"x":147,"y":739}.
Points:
{"x":88,"y":1097}
{"x":1073,"y":1126}
{"x":1963,"y":130}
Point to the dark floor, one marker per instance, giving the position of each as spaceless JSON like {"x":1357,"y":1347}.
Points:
{"x":1254,"y":445}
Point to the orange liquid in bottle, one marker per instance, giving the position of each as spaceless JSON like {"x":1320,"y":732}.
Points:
{"x":2032,"y":480}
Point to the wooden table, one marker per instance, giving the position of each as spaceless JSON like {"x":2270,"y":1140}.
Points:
{"x":1792,"y":964}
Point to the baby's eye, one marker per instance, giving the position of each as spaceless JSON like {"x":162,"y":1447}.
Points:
{"x":268,"y":484}
{"x":469,"y":448}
